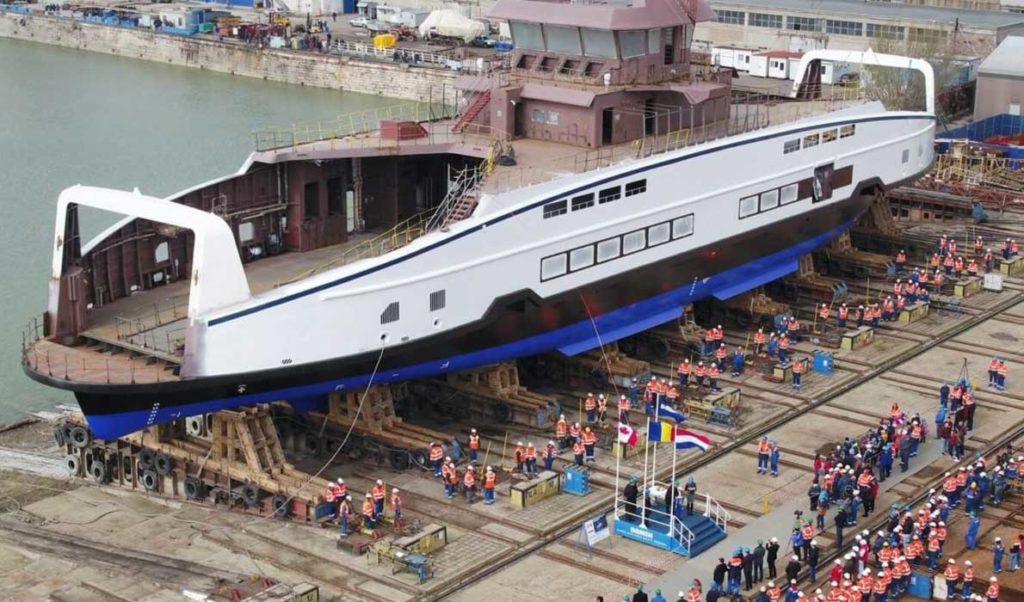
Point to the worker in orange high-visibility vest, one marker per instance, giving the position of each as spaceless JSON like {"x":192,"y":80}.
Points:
{"x":783,"y":348}
{"x":901,"y":261}
{"x":520,"y":456}
{"x":798,"y":371}
{"x":490,"y":481}
{"x":369,"y":514}
{"x":531,"y":459}
{"x":470,"y":484}
{"x":436,"y":457}
{"x":379,"y":493}
{"x":720,"y":354}
{"x":1002,"y":372}
{"x":842,"y":315}
{"x":992,"y":593}
{"x":590,"y":407}
{"x":396,"y":506}
{"x":602,"y":409}
{"x":577,"y":451}
{"x":763,"y":450}
{"x":562,"y":432}
{"x":474,"y":445}
{"x":713,"y":374}
{"x":759,"y":341}
{"x":700,"y":372}
{"x":683,"y":372}
{"x":823,"y":314}
{"x":625,"y":405}
{"x":589,"y":442}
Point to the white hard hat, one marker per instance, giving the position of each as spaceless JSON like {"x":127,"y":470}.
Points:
{"x":394,"y":490}
{"x":380,"y":482}
{"x":341,"y":481}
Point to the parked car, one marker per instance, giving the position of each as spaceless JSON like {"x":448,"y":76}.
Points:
{"x":483,"y":42}
{"x":359,"y":22}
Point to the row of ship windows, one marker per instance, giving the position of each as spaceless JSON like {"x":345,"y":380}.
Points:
{"x":586,"y":200}
{"x":791,"y":146}
{"x":769,"y":199}
{"x":606,"y":250}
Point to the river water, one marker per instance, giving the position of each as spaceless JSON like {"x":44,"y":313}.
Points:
{"x":73,"y":117}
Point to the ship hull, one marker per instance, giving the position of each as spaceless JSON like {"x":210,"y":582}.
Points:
{"x":517,"y":325}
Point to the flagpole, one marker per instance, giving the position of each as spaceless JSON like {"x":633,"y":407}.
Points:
{"x":647,"y":448}
{"x":657,"y":419}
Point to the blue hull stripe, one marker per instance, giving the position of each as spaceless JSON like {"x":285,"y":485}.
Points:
{"x":571,"y":339}
{"x":327,"y":285}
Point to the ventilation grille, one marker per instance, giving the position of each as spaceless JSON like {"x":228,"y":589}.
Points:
{"x":390,"y":314}
{"x":437,"y":300}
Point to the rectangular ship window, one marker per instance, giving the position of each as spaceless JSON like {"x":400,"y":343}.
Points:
{"x":828,"y":136}
{"x":554,"y":209}
{"x":580,"y":258}
{"x":791,"y":146}
{"x":659,"y":234}
{"x":682,"y":227}
{"x":553,"y":267}
{"x":906,"y":155}
{"x":748,"y":206}
{"x":633,"y":242}
{"x":609,"y":194}
{"x":608,"y":249}
{"x":390,"y":313}
{"x":637,"y":187}
{"x":437,"y":300}
{"x":810,"y":141}
{"x":583,"y":201}
{"x":769,"y":200}
{"x":789,"y":194}
{"x":847,"y":130}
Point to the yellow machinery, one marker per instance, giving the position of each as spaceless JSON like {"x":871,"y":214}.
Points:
{"x":384,"y":41}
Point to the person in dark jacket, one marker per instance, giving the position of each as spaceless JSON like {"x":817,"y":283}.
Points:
{"x":718,"y":576}
{"x":640,"y":595}
{"x":793,"y":568}
{"x":748,"y":570}
{"x":630,"y":494}
{"x":840,"y":525}
{"x":813,"y":557}
{"x":758,"y":554}
{"x":772,"y":554}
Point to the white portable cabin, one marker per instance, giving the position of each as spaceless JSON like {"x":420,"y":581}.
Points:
{"x":728,"y":56}
{"x":774,"y":64}
{"x":832,"y":72}
{"x":758,"y":65}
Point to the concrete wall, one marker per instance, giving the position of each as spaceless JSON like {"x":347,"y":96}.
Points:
{"x":996,"y":94}
{"x":302,"y":68}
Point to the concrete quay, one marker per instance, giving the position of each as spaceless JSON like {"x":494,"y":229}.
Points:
{"x":392,"y":80}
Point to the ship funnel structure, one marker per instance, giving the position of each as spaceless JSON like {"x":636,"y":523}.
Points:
{"x":808,"y":72}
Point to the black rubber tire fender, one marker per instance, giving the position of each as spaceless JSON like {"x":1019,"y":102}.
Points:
{"x":146,"y":459}
{"x":502,"y":412}
{"x":150,"y":480}
{"x":80,"y":437}
{"x":98,"y":471}
{"x":250,"y":495}
{"x":195,"y":488}
{"x":312,"y":444}
{"x":281,"y":505}
{"x":73,"y":464}
{"x":660,"y":347}
{"x":58,"y":436}
{"x":399,"y":459}
{"x":163,"y":464}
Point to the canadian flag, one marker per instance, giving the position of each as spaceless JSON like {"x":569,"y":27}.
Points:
{"x":627,"y":434}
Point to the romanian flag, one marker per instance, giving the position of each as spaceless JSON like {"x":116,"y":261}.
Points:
{"x":659,"y":432}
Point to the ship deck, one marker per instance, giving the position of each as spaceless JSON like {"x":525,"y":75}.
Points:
{"x":138,"y":339}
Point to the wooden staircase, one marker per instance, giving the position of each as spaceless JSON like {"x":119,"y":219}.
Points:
{"x":479,"y":103}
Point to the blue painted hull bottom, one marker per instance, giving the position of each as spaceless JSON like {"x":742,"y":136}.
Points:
{"x":571,"y":339}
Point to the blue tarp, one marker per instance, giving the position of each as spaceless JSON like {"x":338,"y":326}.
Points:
{"x":979,"y":131}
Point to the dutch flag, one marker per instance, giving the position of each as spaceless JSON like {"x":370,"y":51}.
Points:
{"x":686,"y":439}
